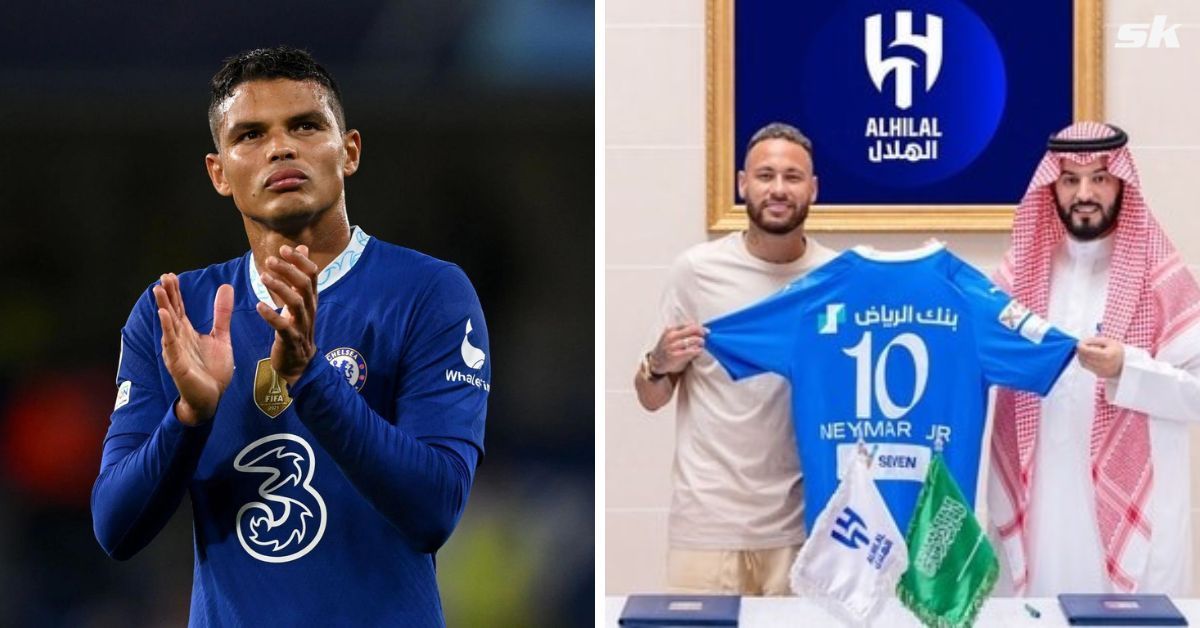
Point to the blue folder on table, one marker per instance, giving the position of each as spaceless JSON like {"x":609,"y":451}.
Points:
{"x":1106,"y":609}
{"x":680,"y":610}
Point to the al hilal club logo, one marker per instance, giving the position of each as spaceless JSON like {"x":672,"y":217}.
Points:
{"x":352,"y":365}
{"x":853,"y":530}
{"x":472,"y":356}
{"x":927,"y":100}
{"x":930,"y":44}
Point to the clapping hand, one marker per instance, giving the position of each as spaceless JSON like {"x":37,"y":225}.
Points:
{"x":291,"y":279}
{"x":200,"y":364}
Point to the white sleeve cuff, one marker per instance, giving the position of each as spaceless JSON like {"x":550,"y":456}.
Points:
{"x":1122,"y":389}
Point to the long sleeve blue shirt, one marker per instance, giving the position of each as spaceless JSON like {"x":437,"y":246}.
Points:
{"x":323,"y":502}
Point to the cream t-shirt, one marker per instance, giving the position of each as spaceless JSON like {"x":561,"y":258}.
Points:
{"x":736,"y":481}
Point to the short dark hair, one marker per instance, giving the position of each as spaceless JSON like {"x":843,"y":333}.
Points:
{"x":279,"y":62}
{"x":780,"y":131}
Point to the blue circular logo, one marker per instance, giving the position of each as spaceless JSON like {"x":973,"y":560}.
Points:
{"x":909,"y":93}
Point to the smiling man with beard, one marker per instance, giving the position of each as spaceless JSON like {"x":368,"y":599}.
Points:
{"x":737,"y":505}
{"x":1090,"y":485}
{"x":1088,"y":199}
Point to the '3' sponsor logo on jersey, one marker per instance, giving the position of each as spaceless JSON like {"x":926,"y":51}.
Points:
{"x":290,"y":519}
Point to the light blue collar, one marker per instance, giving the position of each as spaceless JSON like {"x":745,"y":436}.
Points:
{"x":329,"y":275}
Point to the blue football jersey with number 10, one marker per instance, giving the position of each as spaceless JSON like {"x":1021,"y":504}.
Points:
{"x":898,"y":349}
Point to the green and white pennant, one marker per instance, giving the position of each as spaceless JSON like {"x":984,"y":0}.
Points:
{"x":952,"y":567}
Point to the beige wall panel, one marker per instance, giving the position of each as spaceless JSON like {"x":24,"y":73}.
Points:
{"x":632,"y":300}
{"x":653,"y":208}
{"x":635,"y":551}
{"x":639,"y":446}
{"x":622,"y":13}
{"x":654,"y":86}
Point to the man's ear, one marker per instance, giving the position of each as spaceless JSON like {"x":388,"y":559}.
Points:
{"x":741,"y":184}
{"x":352,"y":144}
{"x":216,"y":173}
{"x":816,"y":187}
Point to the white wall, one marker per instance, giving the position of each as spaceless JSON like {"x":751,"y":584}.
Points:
{"x":654,"y":182}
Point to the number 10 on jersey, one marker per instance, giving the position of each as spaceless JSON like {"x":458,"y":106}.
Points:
{"x":870,"y":380}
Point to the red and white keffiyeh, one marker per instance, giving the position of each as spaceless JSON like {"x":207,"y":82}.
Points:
{"x":1151,"y":298}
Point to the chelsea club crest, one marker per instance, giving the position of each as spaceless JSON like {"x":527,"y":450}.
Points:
{"x":352,"y":365}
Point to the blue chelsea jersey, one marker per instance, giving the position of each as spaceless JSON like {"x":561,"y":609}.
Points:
{"x":895,"y":349}
{"x":322,"y":503}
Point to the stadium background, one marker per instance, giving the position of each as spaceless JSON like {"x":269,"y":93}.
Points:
{"x":477,"y":122}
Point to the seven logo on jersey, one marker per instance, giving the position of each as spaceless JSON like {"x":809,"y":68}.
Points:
{"x":352,"y":365}
{"x":472,"y":356}
{"x":290,"y":520}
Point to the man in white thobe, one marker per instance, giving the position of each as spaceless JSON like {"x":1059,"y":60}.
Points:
{"x":1090,"y":488}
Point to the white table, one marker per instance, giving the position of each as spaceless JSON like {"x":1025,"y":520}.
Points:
{"x":997,"y":612}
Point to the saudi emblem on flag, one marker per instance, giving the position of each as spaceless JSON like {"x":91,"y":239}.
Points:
{"x":952,"y":567}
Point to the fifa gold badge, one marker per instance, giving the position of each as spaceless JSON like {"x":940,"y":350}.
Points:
{"x":270,"y":394}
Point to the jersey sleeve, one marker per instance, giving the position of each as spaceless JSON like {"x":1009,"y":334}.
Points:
{"x":447,"y":370}
{"x":418,"y":471}
{"x":1017,"y":348}
{"x":674,"y":304}
{"x":757,"y":339}
{"x":149,"y":456}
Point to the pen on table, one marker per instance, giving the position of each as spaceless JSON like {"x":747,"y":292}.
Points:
{"x":1033,"y":612}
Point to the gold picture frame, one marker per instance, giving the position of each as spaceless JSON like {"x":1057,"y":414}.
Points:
{"x":1087,"y":93}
